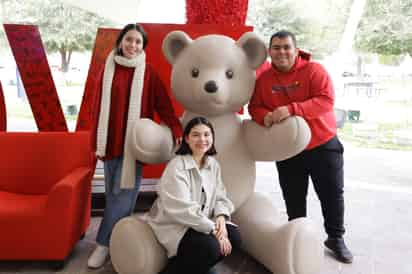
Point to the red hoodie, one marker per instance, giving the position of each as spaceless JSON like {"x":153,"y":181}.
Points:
{"x":306,"y":90}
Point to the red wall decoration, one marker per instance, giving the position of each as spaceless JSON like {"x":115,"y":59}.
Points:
{"x":104,"y":43}
{"x":227,"y":12}
{"x":3,"y":113}
{"x":156,"y":32}
{"x":28,"y":51}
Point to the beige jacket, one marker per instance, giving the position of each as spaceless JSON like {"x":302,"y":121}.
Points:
{"x":188,"y":197}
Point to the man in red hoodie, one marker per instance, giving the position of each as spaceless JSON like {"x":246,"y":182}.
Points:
{"x":294,"y":85}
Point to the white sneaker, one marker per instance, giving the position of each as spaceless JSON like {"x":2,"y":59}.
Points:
{"x":98,"y":257}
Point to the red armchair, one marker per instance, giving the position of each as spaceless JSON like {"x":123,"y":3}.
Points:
{"x":45,"y":190}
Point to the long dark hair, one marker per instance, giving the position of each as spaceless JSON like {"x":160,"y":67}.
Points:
{"x":123,"y":32}
{"x":184,"y":147}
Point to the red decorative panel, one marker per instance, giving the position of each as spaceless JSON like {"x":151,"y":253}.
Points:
{"x":227,"y":12}
{"x":3,"y":113}
{"x":105,"y":40}
{"x":156,"y":32}
{"x":28,"y":51}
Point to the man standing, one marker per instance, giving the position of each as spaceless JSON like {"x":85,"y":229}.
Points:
{"x":294,"y":85}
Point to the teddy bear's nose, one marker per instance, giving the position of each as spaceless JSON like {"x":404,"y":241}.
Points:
{"x":211,"y":86}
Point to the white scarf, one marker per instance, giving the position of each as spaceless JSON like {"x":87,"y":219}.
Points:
{"x":128,"y":176}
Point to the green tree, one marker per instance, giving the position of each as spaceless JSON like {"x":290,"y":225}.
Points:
{"x":385,"y":28}
{"x":318,"y":24}
{"x":64,"y":29}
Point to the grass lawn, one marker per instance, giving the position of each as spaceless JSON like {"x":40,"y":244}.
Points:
{"x":379,"y":135}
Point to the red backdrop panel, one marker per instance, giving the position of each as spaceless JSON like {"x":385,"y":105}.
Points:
{"x":104,"y":43}
{"x":3,"y":113}
{"x":228,"y":12}
{"x":156,"y":32}
{"x":28,"y":51}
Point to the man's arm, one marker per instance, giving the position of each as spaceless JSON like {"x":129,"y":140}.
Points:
{"x":322,"y":96}
{"x":257,"y":109}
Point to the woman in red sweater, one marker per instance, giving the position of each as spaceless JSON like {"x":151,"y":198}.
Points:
{"x":130,"y":89}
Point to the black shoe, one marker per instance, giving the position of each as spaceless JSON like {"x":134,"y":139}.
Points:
{"x":339,"y":249}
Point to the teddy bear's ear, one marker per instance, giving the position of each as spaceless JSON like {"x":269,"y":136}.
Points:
{"x":254,"y":48}
{"x":174,"y":43}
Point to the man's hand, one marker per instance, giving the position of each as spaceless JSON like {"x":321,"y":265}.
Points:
{"x":268,"y":119}
{"x":280,"y":114}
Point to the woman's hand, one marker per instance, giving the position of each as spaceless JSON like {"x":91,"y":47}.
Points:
{"x":178,"y":141}
{"x":222,"y":237}
{"x":225,"y":246}
{"x":221,"y":227}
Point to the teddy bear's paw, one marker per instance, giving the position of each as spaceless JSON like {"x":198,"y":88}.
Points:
{"x":293,"y":247}
{"x":151,"y":143}
{"x":134,"y":248}
{"x":279,"y":142}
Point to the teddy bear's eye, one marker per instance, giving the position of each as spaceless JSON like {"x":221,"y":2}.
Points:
{"x":229,"y":74}
{"x":195,"y":72}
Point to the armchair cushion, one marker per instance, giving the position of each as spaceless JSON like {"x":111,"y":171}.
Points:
{"x":16,"y":206}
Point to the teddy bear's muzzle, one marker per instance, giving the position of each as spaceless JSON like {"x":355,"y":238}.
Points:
{"x":211,"y":86}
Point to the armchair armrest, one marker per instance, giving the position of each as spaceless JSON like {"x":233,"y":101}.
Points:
{"x":67,"y":202}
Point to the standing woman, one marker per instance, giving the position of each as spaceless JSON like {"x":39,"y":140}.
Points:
{"x":130,"y":89}
{"x":189,"y":217}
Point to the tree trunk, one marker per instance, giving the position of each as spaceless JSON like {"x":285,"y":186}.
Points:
{"x":65,"y":60}
{"x":69,"y":58}
{"x":359,"y":66}
{"x":3,"y":11}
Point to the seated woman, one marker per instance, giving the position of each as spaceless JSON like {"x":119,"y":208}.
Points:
{"x":190,"y":216}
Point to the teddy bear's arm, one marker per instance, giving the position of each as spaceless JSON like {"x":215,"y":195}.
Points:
{"x":279,"y":142}
{"x":151,"y":143}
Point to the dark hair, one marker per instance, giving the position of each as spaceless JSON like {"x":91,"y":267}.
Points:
{"x":184,"y":147}
{"x":283,"y":34}
{"x":123,"y":32}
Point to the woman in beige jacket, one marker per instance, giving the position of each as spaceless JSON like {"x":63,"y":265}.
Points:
{"x":190,"y":216}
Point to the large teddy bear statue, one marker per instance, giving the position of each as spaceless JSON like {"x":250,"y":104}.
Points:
{"x":214,"y":76}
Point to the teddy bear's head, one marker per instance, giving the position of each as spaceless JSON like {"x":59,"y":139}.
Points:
{"x":213,"y":74}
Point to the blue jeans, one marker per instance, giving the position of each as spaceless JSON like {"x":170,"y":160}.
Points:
{"x":119,"y":202}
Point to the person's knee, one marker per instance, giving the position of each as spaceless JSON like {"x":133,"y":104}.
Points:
{"x":211,"y":249}
{"x":199,"y":245}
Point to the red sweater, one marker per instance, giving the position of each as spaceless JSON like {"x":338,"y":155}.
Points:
{"x":154,"y":98}
{"x":306,"y":90}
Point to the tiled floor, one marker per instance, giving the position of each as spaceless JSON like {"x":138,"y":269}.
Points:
{"x":378,"y":223}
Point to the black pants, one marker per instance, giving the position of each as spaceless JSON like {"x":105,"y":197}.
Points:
{"x":198,"y":252}
{"x":324,"y":165}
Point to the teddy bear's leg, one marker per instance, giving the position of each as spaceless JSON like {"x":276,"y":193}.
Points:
{"x":291,"y":247}
{"x":151,"y":143}
{"x":135,"y":249}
